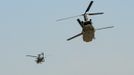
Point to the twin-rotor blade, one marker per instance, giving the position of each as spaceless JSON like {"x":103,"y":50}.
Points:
{"x":81,"y":24}
{"x":31,"y":56}
{"x":104,"y":28}
{"x":68,"y":18}
{"x":79,"y":33}
{"x":74,"y":36}
{"x":99,"y":13}
{"x":89,"y":7}
{"x":90,"y":4}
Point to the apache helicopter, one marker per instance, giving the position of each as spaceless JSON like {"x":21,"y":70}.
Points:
{"x":88,"y":31}
{"x":39,"y":58}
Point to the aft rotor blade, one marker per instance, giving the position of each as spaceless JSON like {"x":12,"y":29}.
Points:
{"x":74,"y":36}
{"x":105,"y":28}
{"x":78,"y":20}
{"x":31,"y":56}
{"x":68,"y":18}
{"x":89,"y":7}
{"x":95,"y":13}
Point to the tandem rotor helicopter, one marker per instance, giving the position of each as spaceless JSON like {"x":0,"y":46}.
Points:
{"x":88,"y":31}
{"x":39,"y":58}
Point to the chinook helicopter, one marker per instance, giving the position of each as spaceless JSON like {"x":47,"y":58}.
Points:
{"x":88,"y":31}
{"x":39,"y":58}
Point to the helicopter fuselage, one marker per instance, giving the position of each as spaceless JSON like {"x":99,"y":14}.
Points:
{"x":88,"y":32}
{"x":40,"y":60}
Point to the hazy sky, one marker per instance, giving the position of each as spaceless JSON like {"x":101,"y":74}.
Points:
{"x":30,"y":27}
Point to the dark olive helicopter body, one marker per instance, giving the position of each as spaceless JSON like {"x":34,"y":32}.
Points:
{"x":88,"y":31}
{"x":39,"y":59}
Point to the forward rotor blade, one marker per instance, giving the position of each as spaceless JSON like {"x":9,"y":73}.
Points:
{"x":95,"y":13}
{"x":74,"y":36}
{"x":105,"y":28}
{"x":68,"y":18}
{"x":31,"y":56}
{"x":89,"y":7}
